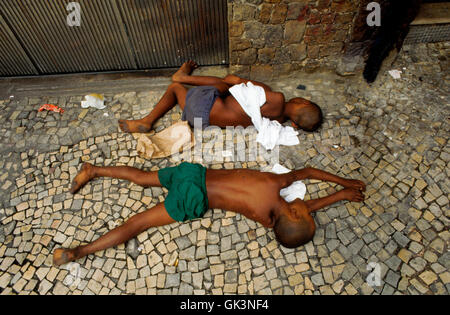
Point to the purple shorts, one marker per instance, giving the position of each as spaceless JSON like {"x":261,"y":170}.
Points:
{"x":199,"y":102}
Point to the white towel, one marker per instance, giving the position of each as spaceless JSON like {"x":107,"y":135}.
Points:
{"x":296,"y":191}
{"x":94,"y":100}
{"x":270,"y":133}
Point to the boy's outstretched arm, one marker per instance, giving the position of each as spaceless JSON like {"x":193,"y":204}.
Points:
{"x":232,"y":80}
{"x":346,"y":194}
{"x":313,"y":173}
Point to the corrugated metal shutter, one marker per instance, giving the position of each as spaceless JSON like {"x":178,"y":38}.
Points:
{"x":166,"y":33}
{"x":114,"y":35}
{"x":13,"y":59}
{"x":428,"y":34}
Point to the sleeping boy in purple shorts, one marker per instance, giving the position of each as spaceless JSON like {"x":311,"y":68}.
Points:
{"x":211,"y":101}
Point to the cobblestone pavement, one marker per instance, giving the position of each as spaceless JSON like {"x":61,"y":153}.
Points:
{"x":393,"y":135}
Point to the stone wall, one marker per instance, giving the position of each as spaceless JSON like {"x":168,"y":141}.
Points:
{"x":269,"y":38}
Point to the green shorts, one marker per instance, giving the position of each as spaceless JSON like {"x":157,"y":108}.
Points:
{"x":187,"y":198}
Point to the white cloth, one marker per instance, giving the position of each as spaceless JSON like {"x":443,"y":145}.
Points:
{"x":94,"y":101}
{"x":270,"y":133}
{"x":396,"y":74}
{"x":296,"y":191}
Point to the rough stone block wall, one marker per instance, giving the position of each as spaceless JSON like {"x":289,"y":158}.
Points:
{"x":269,"y":38}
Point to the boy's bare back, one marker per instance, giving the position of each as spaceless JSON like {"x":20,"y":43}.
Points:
{"x":226,"y":111}
{"x":254,"y":194}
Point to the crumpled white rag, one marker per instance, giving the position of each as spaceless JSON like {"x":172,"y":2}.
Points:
{"x":296,"y":190}
{"x":270,"y":133}
{"x":94,"y":101}
{"x":396,"y":74}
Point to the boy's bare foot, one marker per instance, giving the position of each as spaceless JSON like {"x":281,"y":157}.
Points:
{"x":85,"y":175}
{"x":134,"y":126}
{"x":186,"y":69}
{"x":63,"y":256}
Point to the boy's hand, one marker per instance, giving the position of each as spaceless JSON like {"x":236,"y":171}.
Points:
{"x":353,"y":195}
{"x":354,"y":184}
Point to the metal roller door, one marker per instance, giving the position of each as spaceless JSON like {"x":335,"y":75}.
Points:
{"x":112,"y":35}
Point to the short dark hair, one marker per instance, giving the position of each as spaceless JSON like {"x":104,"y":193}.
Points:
{"x":310,"y":118}
{"x":293,"y":234}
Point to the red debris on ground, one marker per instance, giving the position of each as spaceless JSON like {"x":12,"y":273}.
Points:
{"x":52,"y":108}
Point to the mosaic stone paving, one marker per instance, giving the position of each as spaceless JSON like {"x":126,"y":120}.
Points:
{"x":393,"y":135}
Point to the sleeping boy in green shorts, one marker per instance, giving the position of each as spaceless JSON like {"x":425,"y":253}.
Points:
{"x":193,"y":190}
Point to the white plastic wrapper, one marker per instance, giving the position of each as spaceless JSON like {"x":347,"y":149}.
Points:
{"x":296,"y":191}
{"x":396,"y":74}
{"x":94,"y":101}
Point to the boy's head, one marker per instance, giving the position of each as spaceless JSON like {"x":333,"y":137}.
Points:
{"x":304,"y":114}
{"x":295,"y":227}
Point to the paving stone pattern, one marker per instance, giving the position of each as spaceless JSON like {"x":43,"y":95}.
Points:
{"x":393,"y":135}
